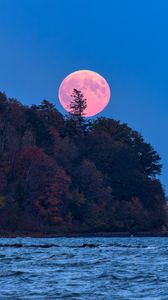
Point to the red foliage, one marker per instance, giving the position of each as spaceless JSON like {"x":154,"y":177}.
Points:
{"x":54,"y":197}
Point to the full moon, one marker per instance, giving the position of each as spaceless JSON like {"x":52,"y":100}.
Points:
{"x":93,"y":86}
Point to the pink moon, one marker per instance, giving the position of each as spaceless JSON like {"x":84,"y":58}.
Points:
{"x":92,"y":85}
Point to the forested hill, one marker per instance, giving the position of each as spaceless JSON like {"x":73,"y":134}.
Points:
{"x":59,"y":175}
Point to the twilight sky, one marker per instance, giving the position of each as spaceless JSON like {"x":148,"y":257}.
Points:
{"x":126,"y":41}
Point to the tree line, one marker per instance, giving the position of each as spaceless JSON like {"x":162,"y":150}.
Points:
{"x":71,"y":174}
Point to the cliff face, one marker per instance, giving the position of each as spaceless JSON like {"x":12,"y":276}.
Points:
{"x":57,"y":175}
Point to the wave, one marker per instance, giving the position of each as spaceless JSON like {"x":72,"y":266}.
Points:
{"x":11,"y":273}
{"x":85,"y":245}
{"x":28,"y":246}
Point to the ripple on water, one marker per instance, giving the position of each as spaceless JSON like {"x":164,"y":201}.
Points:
{"x":84,"y":268}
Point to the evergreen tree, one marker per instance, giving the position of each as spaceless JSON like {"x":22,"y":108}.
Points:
{"x":78,"y":106}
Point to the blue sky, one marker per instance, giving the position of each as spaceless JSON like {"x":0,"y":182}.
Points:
{"x":42,"y":41}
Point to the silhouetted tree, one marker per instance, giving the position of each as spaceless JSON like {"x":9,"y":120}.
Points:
{"x":76,"y":124}
{"x":78,"y":104}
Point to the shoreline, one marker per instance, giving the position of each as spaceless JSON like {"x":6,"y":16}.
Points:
{"x":26,"y":234}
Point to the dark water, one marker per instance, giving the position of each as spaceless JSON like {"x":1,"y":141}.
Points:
{"x":84,"y":268}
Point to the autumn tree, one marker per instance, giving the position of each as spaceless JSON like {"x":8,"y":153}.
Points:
{"x":53,"y":200}
{"x":32,"y":170}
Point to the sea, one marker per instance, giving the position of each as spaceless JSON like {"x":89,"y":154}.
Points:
{"x":84,"y":268}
